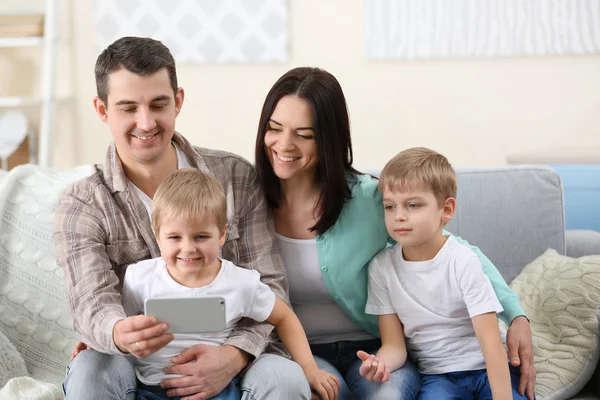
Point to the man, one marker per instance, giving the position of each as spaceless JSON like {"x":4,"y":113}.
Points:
{"x":103,"y":224}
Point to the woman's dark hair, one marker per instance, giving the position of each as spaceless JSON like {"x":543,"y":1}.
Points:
{"x":331,"y":127}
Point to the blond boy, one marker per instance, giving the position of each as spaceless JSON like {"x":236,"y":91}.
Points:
{"x":189,"y":220}
{"x":432,"y":290}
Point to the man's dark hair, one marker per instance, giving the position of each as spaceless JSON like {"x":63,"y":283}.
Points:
{"x":141,"y":56}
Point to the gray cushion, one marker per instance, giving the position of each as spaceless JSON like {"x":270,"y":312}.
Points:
{"x":513,"y":214}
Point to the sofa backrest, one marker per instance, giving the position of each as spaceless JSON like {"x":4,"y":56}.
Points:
{"x":512,"y":213}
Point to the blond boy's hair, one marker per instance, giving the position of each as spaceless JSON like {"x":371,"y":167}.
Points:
{"x":419,"y":166}
{"x":190,"y":193}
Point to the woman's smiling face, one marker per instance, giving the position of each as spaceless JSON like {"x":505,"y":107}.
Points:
{"x":290,"y":139}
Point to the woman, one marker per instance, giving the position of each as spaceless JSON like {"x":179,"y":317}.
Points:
{"x":329,"y":224}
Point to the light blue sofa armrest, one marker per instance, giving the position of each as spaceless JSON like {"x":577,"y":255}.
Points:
{"x":582,"y":242}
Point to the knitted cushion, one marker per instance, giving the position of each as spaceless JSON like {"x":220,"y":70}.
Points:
{"x":11,"y":362}
{"x":33,"y":307}
{"x":561,"y":296}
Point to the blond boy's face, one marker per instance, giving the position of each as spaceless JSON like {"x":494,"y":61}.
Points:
{"x":413,"y":217}
{"x":189,"y":248}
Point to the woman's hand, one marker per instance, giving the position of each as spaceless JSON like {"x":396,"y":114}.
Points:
{"x":79,"y":347}
{"x":325,"y":385}
{"x":373,"y":368}
{"x":520,"y":353}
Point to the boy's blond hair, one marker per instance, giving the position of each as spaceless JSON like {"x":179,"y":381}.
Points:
{"x":419,"y":165}
{"x":190,"y":193}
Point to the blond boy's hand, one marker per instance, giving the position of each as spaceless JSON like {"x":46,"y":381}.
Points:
{"x":323,"y":383}
{"x":79,"y":347}
{"x":373,"y":368}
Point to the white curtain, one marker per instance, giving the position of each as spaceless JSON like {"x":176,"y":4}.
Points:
{"x":425,"y":29}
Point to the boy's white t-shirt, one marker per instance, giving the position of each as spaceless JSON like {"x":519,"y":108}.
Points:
{"x":245,"y":296}
{"x":435,"y":301}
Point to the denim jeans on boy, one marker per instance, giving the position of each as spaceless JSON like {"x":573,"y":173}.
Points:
{"x":467,"y":385}
{"x":340,"y":359}
{"x":96,"y":376}
{"x":144,"y":392}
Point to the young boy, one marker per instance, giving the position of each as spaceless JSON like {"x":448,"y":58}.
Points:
{"x":432,"y":290}
{"x":189,"y":219}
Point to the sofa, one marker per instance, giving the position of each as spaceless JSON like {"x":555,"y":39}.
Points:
{"x":514,"y":214}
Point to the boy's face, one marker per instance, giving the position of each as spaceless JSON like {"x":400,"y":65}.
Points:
{"x":414,"y":217}
{"x":189,"y":247}
{"x":140,"y":112}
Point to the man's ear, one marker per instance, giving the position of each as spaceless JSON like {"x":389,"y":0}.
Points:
{"x":448,"y":209}
{"x":100,"y":108}
{"x":179,"y":95}
{"x":223,"y":235}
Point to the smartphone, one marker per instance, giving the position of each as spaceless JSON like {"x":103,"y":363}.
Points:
{"x":189,"y":314}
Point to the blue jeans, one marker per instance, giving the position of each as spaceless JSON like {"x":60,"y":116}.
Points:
{"x":145,"y":392}
{"x":340,"y":359}
{"x":96,"y":376}
{"x":467,"y":385}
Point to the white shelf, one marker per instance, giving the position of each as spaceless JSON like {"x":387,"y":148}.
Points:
{"x":41,"y":140}
{"x":28,"y":41}
{"x":19,"y":101}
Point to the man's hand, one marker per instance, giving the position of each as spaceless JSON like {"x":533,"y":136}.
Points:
{"x":79,"y":347}
{"x":520,"y":352}
{"x":140,"y":335}
{"x":207,"y":371}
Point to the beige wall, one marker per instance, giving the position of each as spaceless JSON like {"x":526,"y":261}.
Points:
{"x":475,"y":111}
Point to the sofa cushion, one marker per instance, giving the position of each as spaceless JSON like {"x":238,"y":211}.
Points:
{"x":33,"y":309}
{"x":513,"y":214}
{"x":561,"y":296}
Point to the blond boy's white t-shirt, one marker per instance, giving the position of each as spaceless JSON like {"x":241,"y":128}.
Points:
{"x":245,"y":296}
{"x":435,"y":301}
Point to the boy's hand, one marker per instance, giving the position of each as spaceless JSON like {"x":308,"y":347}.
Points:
{"x":79,"y":347}
{"x":373,"y":368}
{"x":323,"y":383}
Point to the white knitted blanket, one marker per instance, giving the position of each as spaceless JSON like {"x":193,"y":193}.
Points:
{"x":11,"y":362}
{"x":33,"y":309}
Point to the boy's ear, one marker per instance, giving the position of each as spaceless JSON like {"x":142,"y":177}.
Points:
{"x":448,"y":209}
{"x":223,"y":235}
